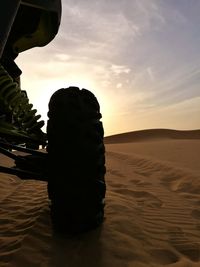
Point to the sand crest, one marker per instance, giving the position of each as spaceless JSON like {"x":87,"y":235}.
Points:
{"x":152,"y":214}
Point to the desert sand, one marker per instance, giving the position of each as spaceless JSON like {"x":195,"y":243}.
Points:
{"x":152,"y":213}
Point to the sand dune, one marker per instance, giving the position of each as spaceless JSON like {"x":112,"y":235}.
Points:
{"x":152,"y":215}
{"x":150,"y":134}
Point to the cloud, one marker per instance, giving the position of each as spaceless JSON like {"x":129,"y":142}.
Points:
{"x":151,"y":74}
{"x":62,"y":57}
{"x":117,"y":69}
{"x":138,"y":56}
{"x":90,"y":25}
{"x":119,"y":85}
{"x":105,"y":28}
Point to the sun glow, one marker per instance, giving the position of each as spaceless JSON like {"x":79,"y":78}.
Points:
{"x":40,"y":92}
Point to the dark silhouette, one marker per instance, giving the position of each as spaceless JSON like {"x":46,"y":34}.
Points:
{"x":76,"y":161}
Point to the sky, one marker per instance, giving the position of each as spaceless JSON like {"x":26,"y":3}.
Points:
{"x":141,"y":59}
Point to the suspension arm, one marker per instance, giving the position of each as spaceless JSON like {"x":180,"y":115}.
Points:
{"x":31,"y":166}
{"x":26,"y":175}
{"x":23,"y":149}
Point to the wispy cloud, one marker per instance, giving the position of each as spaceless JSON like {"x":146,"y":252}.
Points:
{"x":117,"y":69}
{"x":143,"y":55}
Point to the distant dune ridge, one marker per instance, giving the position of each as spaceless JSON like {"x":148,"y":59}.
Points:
{"x":152,"y":134}
{"x":152,"y":213}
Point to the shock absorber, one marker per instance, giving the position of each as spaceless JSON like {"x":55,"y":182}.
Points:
{"x":15,"y":103}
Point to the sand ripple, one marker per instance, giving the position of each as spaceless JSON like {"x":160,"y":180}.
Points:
{"x":152,"y":219}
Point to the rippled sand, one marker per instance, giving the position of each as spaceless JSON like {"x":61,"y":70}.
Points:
{"x":152,"y":214}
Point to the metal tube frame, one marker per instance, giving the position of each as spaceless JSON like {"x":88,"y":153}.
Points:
{"x":24,"y":174}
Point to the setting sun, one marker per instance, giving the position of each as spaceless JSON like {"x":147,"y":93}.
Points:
{"x":83,"y":190}
{"x":134,"y":63}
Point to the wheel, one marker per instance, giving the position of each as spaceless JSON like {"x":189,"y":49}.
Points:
{"x":76,"y":161}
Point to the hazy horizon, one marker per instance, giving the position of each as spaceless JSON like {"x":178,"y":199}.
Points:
{"x":140,"y":58}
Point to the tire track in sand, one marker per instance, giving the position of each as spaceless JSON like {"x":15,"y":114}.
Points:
{"x":166,"y":215}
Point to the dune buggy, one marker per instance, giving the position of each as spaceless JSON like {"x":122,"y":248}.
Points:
{"x":72,"y":160}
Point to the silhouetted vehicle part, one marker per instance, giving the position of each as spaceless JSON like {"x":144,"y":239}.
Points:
{"x":24,"y":24}
{"x":76,"y":161}
{"x":18,"y":119}
{"x":74,"y":165}
{"x":27,"y":23}
{"x":33,"y":165}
